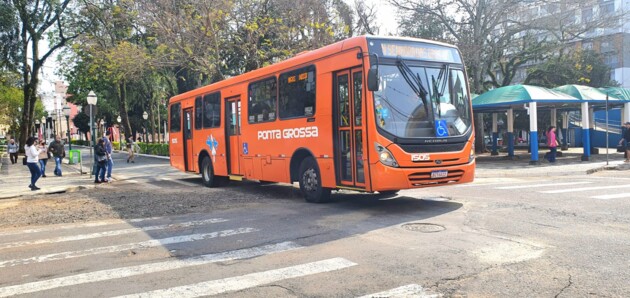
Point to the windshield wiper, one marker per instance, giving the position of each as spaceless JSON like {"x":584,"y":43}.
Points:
{"x":414,"y":81}
{"x":438,"y":91}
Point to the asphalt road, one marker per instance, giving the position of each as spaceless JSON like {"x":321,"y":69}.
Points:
{"x":498,"y":237}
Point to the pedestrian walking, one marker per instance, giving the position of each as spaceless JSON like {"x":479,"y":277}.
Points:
{"x":101,"y":161}
{"x":32,"y":153}
{"x":43,"y":156}
{"x":552,"y":142}
{"x":58,"y":152}
{"x":13,"y":151}
{"x":110,"y":159}
{"x":132,"y":146}
{"x":625,"y":141}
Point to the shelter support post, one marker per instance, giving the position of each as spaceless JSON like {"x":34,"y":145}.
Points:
{"x":591,"y":126}
{"x":554,"y":117}
{"x":625,"y":113}
{"x":495,"y":135}
{"x":565,"y":131}
{"x":510,"y":133}
{"x":533,"y":133}
{"x":586,"y":137}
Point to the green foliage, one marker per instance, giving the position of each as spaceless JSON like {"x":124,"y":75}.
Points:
{"x":579,"y":67}
{"x":80,"y":142}
{"x":154,"y":149}
{"x":82,"y":122}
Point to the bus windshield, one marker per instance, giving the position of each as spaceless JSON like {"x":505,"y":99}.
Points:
{"x":402,"y":112}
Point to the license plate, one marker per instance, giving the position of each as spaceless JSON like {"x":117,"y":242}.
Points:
{"x":439,"y":174}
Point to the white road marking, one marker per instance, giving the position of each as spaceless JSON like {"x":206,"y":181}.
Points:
{"x":408,"y":291}
{"x":178,"y":181}
{"x":122,"y":247}
{"x":146,"y":269}
{"x":613,"y":196}
{"x":585,"y":189}
{"x":111,"y":233}
{"x":542,"y":185}
{"x":230,"y":284}
{"x":76,"y":226}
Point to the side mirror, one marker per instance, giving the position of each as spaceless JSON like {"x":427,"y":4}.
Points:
{"x":373,"y":79}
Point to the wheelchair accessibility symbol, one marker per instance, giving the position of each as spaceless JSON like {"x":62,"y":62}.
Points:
{"x":441,"y":130}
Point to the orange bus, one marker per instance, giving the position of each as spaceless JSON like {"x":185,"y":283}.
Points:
{"x":366,"y":114}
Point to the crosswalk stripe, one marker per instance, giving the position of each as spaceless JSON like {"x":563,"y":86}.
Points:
{"x":412,"y":290}
{"x":613,"y":196}
{"x":237,"y":283}
{"x":122,"y":247}
{"x":111,"y":233}
{"x":585,"y":189}
{"x":110,"y":274}
{"x":541,"y":185}
{"x":75,"y":226}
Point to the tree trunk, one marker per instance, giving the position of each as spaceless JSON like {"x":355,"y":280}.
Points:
{"x":122,"y":99}
{"x":152,"y":119}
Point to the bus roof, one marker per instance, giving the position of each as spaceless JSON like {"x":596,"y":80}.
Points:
{"x":298,"y":59}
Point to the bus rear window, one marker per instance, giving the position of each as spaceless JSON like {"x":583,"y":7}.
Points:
{"x":297,"y":93}
{"x":262,"y":101}
{"x":176,"y":117}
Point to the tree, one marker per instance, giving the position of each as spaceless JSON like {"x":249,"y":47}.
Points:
{"x":36,"y":20}
{"x":82,"y":123}
{"x":580,"y":67}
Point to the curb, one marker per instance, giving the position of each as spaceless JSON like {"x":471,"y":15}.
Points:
{"x":50,"y":192}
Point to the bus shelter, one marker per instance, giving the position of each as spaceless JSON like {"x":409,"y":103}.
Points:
{"x":532,"y":98}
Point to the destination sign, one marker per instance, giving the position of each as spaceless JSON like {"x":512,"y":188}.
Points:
{"x":414,"y":50}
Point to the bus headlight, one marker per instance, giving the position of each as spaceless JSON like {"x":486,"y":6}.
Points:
{"x":471,"y":157}
{"x":384,"y":156}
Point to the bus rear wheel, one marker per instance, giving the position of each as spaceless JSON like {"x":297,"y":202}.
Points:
{"x":207,"y":172}
{"x":311,"y":182}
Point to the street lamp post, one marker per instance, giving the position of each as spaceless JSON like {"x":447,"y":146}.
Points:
{"x":37,"y":127}
{"x":54,"y":120}
{"x":91,"y":99}
{"x":43,"y":126}
{"x":119,"y":134}
{"x":66,"y":112}
{"x":145,"y":116}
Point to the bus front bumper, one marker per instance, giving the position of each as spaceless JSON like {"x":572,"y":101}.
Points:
{"x":388,"y":178}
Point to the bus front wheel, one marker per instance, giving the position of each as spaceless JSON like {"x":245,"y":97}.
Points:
{"x":207,"y":172}
{"x":311,"y":182}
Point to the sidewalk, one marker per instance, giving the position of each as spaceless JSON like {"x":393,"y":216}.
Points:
{"x":569,"y":163}
{"x":14,"y":180}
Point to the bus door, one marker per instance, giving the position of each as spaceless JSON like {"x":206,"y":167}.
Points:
{"x":350,"y":147}
{"x":188,"y":150}
{"x":233,"y":127}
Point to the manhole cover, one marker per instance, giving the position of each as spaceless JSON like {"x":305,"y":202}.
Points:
{"x":423,"y":227}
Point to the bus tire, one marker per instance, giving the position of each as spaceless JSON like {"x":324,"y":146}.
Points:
{"x":207,"y":173}
{"x":311,"y":182}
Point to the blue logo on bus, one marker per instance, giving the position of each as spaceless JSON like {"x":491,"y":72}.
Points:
{"x":441,"y":130}
{"x":245,"y":149}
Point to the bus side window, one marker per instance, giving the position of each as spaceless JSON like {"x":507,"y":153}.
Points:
{"x":176,"y":117}
{"x":198,"y":113}
{"x":297,"y":93}
{"x":212,"y":110}
{"x":262,"y":101}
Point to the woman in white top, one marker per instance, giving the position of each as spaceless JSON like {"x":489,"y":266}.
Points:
{"x":32,"y":161}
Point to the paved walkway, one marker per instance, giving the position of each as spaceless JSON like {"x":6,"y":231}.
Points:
{"x":14,"y":179}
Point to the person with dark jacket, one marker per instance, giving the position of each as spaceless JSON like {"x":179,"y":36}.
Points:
{"x":56,"y":148}
{"x":101,"y":161}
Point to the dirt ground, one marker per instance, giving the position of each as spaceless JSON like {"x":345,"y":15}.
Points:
{"x":129,"y":200}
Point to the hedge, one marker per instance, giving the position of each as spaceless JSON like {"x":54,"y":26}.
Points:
{"x":154,"y":149}
{"x":145,"y":148}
